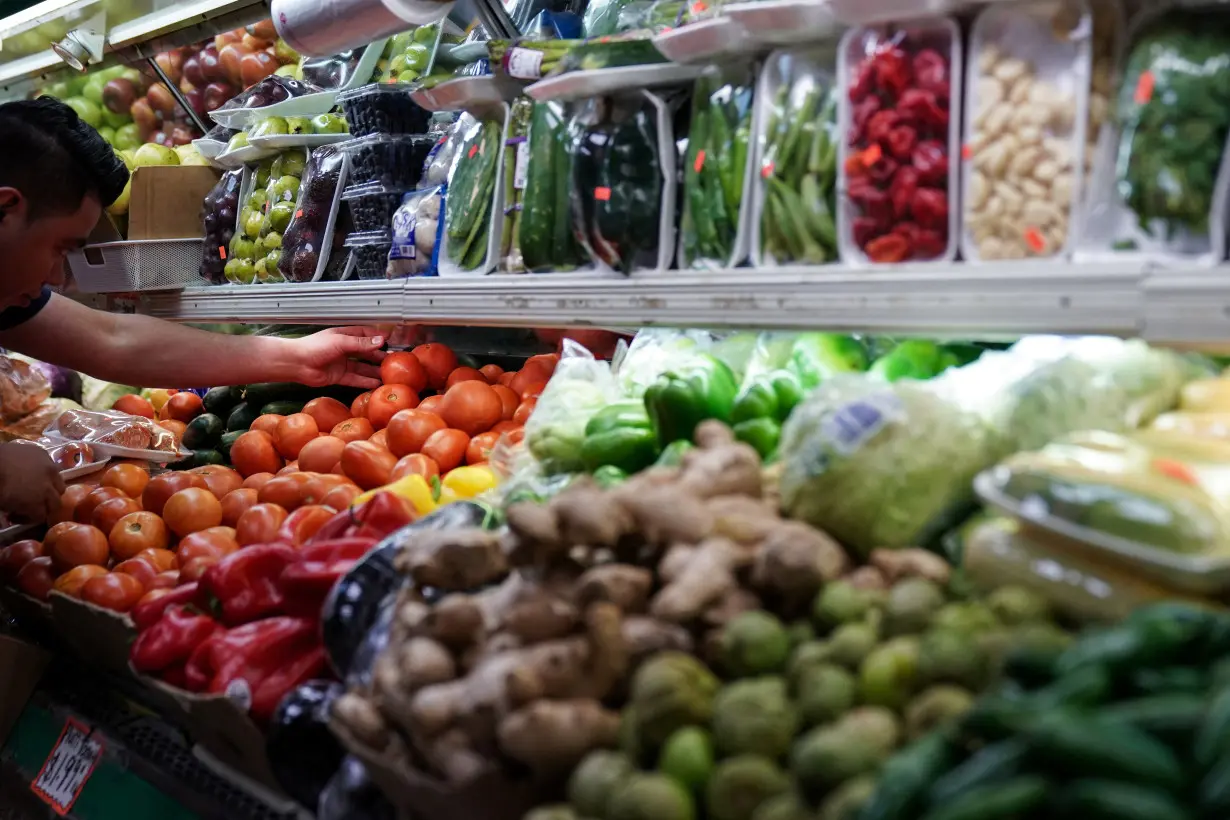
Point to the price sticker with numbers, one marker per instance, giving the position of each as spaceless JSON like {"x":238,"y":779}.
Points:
{"x":68,"y":767}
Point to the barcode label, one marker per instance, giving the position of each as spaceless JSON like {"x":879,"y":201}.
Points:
{"x":68,"y":767}
{"x":524,"y":63}
{"x":853,"y":424}
{"x":521,"y":171}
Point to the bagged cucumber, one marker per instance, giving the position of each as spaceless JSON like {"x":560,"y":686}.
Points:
{"x":471,"y":193}
{"x":717,"y":157}
{"x":516,"y":173}
{"x":543,"y":229}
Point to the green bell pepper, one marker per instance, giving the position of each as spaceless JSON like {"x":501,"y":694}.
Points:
{"x":673,"y":453}
{"x":772,"y":396}
{"x":609,"y":476}
{"x":912,"y":359}
{"x":621,"y":436}
{"x":679,"y":401}
{"x":762,"y":434}
{"x":817,"y":357}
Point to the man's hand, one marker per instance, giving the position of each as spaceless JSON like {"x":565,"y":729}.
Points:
{"x":30,"y":483}
{"x":325,"y":358}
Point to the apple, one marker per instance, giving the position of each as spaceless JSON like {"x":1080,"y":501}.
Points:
{"x":257,"y":66}
{"x":181,"y":134}
{"x":265,"y":30}
{"x":90,"y":113}
{"x":329,"y":124}
{"x":112,"y":120}
{"x":211,"y":66}
{"x":152,"y":154}
{"x":243,"y":248}
{"x":280,"y":216}
{"x":196,"y":99}
{"x":118,"y":95}
{"x":252,"y":222}
{"x":239,"y":271}
{"x":93,"y":89}
{"x":108,"y":135}
{"x":161,"y":99}
{"x":238,"y":141}
{"x":127,"y":137}
{"x":189,"y":155}
{"x":120,"y":206}
{"x":193,"y":73}
{"x":270,"y":126}
{"x":57,"y":90}
{"x":228,"y":37}
{"x":143,"y":115}
{"x":272,"y":260}
{"x":283,"y":53}
{"x":172,"y":64}
{"x":217,"y":95}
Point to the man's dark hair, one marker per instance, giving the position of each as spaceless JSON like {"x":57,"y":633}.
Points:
{"x":55,"y":159}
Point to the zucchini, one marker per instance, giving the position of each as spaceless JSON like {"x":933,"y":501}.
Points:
{"x":283,"y":407}
{"x":1075,"y":745}
{"x":227,"y":441}
{"x":206,"y":456}
{"x":242,"y":416}
{"x":257,"y":395}
{"x":1088,"y":686}
{"x":1113,"y":800}
{"x":534,"y":229}
{"x":1213,"y":793}
{"x":902,"y":783}
{"x":991,"y":764}
{"x":1013,"y":799}
{"x":220,"y":400}
{"x":1214,"y":735}
{"x":203,"y":432}
{"x":1174,"y":719}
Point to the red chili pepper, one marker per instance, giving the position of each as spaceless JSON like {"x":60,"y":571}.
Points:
{"x":893,"y":72}
{"x":904,"y":184}
{"x":931,"y":73}
{"x":245,"y":583}
{"x":873,"y":203}
{"x":921,"y":108}
{"x":880,"y":125}
{"x":901,"y":141}
{"x":864,"y":85}
{"x":171,"y":640}
{"x":930,"y":208}
{"x":931,"y":162}
{"x":907,"y":230}
{"x":306,"y":583}
{"x":865,"y":229}
{"x":883,"y":170}
{"x":929,"y":244}
{"x":147,"y":613}
{"x":888,"y":248}
{"x":860,"y":114}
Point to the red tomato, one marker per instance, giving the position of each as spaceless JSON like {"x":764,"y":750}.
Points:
{"x":293,"y":432}
{"x":194,"y":569}
{"x":161,"y":487}
{"x":492,"y":373}
{"x":192,"y":510}
{"x":115,"y":591}
{"x":254,"y":452}
{"x":108,"y":514}
{"x":387,"y":401}
{"x":321,"y":453}
{"x":70,"y":583}
{"x":136,"y":532}
{"x":77,"y":545}
{"x":472,"y":407}
{"x":524,"y":410}
{"x":286,"y":491}
{"x":84,"y":512}
{"x":303,"y":523}
{"x":431,"y":404}
{"x":408,"y":430}
{"x":438,"y":360}
{"x":415,"y":464}
{"x":256,"y":480}
{"x":268,"y":423}
{"x":219,"y":480}
{"x":135,"y":405}
{"x":221,"y":539}
{"x":182,"y":407}
{"x":508,"y":401}
{"x":354,"y":430}
{"x":327,"y":412}
{"x":37,"y":577}
{"x":17,"y":555}
{"x":127,"y":478}
{"x":69,"y":501}
{"x":447,"y":448}
{"x":358,"y":407}
{"x":175,"y":428}
{"x":161,"y":560}
{"x":380,"y":438}
{"x":341,"y":496}
{"x":367,"y":465}
{"x":480,"y":447}
{"x":463,"y":374}
{"x":164,"y":580}
{"x":506,"y":379}
{"x":236,"y":503}
{"x":143,"y":571}
{"x":291,"y":467}
{"x":403,"y":367}
{"x":259,"y":525}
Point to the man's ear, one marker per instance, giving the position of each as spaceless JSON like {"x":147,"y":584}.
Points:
{"x":12,"y":203}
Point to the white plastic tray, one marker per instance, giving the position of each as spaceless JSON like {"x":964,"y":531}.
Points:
{"x":783,"y":22}
{"x":868,"y":12}
{"x":467,"y":93}
{"x":576,"y":85}
{"x":156,"y":456}
{"x":703,"y":40}
{"x":84,"y":469}
{"x":243,"y":156}
{"x":279,"y":141}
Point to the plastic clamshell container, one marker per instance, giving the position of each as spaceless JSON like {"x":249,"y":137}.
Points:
{"x":788,"y":65}
{"x":369,"y":253}
{"x":1200,"y":574}
{"x":384,"y":108}
{"x":870,"y":12}
{"x":468,"y":93}
{"x":577,"y":85}
{"x":280,"y":141}
{"x":943,"y":35}
{"x":395,"y":161}
{"x":703,"y":41}
{"x":207,"y":148}
{"x":1022,"y":156}
{"x":373,"y":204}
{"x":335,"y":207}
{"x":783,"y":22}
{"x":495,"y":227}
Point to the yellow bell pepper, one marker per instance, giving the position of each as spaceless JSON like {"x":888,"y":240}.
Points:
{"x":413,"y":488}
{"x":157,"y":396}
{"x":468,"y":482}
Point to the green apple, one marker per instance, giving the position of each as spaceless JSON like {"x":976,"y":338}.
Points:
{"x":120,"y":206}
{"x":238,"y":141}
{"x":272,"y":260}
{"x":287,"y":70}
{"x":89,"y":112}
{"x":189,"y":155}
{"x":263,"y":171}
{"x":284,"y":53}
{"x":257,"y":199}
{"x":425,"y":35}
{"x":258,"y":269}
{"x":153,"y":154}
{"x":240,"y":271}
{"x":299,"y":125}
{"x":127,"y":137}
{"x":252,"y":221}
{"x":284,"y":189}
{"x":289,"y":164}
{"x":114,"y":120}
{"x":399,"y":42}
{"x":93,"y":89}
{"x":280,"y":216}
{"x":243,"y":248}
{"x":417,"y":57}
{"x":270,"y":127}
{"x":108,"y":135}
{"x":272,"y":241}
{"x":58,"y":90}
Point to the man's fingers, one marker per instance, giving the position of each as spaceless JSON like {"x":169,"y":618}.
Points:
{"x":363,"y":369}
{"x":366,"y":346}
{"x":57,"y":484}
{"x":355,"y":380}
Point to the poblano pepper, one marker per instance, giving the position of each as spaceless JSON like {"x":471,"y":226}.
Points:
{"x":678,"y":401}
{"x":772,"y":396}
{"x":619,"y":435}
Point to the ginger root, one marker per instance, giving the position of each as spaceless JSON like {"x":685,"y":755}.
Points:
{"x":454,"y":757}
{"x":742,"y":519}
{"x":707,"y":576}
{"x":866,"y":578}
{"x":453,"y":560}
{"x":720,"y":465}
{"x":911,"y":563}
{"x":645,"y":636}
{"x":795,"y":561}
{"x":664,"y":514}
{"x":625,"y":586}
{"x":552,"y":736}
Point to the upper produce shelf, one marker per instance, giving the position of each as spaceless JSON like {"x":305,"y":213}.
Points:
{"x":133,"y":29}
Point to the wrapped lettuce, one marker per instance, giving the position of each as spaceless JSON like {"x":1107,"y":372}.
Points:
{"x":579,"y":388}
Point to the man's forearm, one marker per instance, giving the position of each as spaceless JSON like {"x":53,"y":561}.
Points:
{"x":147,"y":352}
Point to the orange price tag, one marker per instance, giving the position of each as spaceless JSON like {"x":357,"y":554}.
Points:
{"x":473,"y":151}
{"x":222,"y":251}
{"x":1176,"y":470}
{"x":700,"y":161}
{"x":602,"y":194}
{"x":1035,"y":240}
{"x":967,"y":153}
{"x":766,"y":170}
{"x":68,"y":767}
{"x":391,"y":80}
{"x":699,"y":7}
{"x":299,"y":214}
{"x":872,"y":155}
{"x":1144,"y":87}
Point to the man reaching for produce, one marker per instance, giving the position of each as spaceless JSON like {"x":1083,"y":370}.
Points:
{"x":56,"y":176}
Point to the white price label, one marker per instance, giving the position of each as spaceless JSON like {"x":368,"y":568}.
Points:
{"x":68,"y":767}
{"x":524,"y":63}
{"x":521,"y":171}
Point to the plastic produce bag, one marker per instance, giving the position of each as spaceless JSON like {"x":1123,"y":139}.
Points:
{"x":622,"y":180}
{"x":306,"y":236}
{"x":798,"y":148}
{"x":23,"y":388}
{"x":111,"y":429}
{"x":897,"y":168}
{"x":272,"y":89}
{"x":877,"y":465}
{"x":653,"y":352}
{"x":543,"y":233}
{"x":416,"y":232}
{"x":516,"y":176}
{"x":281,"y":193}
{"x":409,"y":55}
{"x":715,"y":175}
{"x":580,"y":387}
{"x":1025,"y":142}
{"x":218,"y":215}
{"x":472,"y":190}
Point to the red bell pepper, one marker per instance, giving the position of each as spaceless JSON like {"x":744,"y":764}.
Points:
{"x":921,"y":108}
{"x":893,"y":69}
{"x":929,"y":244}
{"x":245,"y":583}
{"x":890,"y":248}
{"x":930,"y":208}
{"x":881,"y":125}
{"x":172,"y":640}
{"x":931,"y":73}
{"x":147,"y":613}
{"x":380,"y":517}
{"x":931,"y":162}
{"x":901,"y":141}
{"x":902,"y":189}
{"x":860,"y":115}
{"x":307,"y":582}
{"x":304,"y":667}
{"x":865,"y":229}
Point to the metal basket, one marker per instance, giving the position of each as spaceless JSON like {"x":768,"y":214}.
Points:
{"x":126,"y":267}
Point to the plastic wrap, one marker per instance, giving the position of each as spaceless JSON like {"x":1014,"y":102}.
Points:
{"x":382,"y":108}
{"x":653,"y":352}
{"x":515,"y":170}
{"x":218,"y":216}
{"x":544,"y":231}
{"x":1024,"y":145}
{"x":1206,"y":396}
{"x":715,"y":174}
{"x":580,"y":387}
{"x":1109,"y":27}
{"x":281,"y":193}
{"x":23,"y":387}
{"x":114,"y":433}
{"x":797,"y":148}
{"x":898,"y":167}
{"x":472,"y":189}
{"x":410,"y":55}
{"x":307,"y":234}
{"x":879,"y":465}
{"x":332,"y":72}
{"x":370,"y":251}
{"x":273,"y":89}
{"x":69,"y":455}
{"x":393,"y":161}
{"x":416,"y":234}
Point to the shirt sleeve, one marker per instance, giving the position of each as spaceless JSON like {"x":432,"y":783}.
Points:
{"x":14,"y":316}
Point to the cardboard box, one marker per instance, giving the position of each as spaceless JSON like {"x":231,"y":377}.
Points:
{"x":98,"y":636}
{"x":21,"y":668}
{"x":166,"y":201}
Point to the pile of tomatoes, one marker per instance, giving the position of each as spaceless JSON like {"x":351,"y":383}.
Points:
{"x":391,"y":432}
